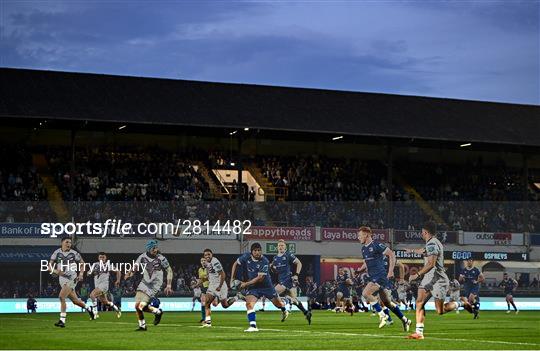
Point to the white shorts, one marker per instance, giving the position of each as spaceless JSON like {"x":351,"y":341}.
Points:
{"x":454,"y":296}
{"x":438,"y":287}
{"x":197,"y":293}
{"x":71,"y":283}
{"x":102,"y":284}
{"x":221,"y":294}
{"x":151,"y":288}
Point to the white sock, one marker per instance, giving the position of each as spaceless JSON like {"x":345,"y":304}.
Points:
{"x":154,"y":310}
{"x":63,"y":317}
{"x":420,"y":328}
{"x":208,"y":319}
{"x":113,"y":306}
{"x":142,"y":323}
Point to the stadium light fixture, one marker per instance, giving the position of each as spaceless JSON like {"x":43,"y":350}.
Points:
{"x":233,"y":164}
{"x":465,"y":145}
{"x":337,"y":138}
{"x":246,"y":129}
{"x":233,"y":133}
{"x":122,"y":127}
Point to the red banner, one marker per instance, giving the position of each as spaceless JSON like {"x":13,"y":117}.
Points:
{"x":351,"y":234}
{"x":329,"y":267}
{"x":285,"y":233}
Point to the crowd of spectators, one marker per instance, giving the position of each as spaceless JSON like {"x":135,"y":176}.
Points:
{"x":124,"y":175}
{"x":150,"y":184}
{"x":19,"y":179}
{"x":342,"y":192}
{"x":477,"y":197}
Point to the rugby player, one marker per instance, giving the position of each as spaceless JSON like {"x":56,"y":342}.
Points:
{"x":203,"y":278}
{"x":510,"y":286}
{"x":217,"y":289}
{"x":343,"y":293}
{"x":471,"y":277}
{"x":454,"y":291}
{"x":195,"y":285}
{"x":434,"y":280}
{"x":64,"y":263}
{"x":100,"y":271}
{"x":287,"y":283}
{"x":256,"y":281}
{"x":151,"y":282}
{"x":374,"y":254}
{"x":311,"y":292}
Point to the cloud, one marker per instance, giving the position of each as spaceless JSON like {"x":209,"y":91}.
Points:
{"x":471,"y":50}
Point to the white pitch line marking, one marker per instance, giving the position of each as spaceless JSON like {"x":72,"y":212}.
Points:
{"x":315,"y":332}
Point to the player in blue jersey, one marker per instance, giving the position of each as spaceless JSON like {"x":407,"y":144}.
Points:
{"x":381,"y":276}
{"x":287,"y":281}
{"x":343,"y":292}
{"x":509,"y":285}
{"x":312,"y":292}
{"x":252,"y":270}
{"x":471,"y":277}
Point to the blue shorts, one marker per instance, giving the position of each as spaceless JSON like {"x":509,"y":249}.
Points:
{"x":390,"y":285}
{"x":287,"y":283}
{"x":473,"y":289}
{"x":382,"y":280}
{"x":346,"y":293}
{"x":269,"y":293}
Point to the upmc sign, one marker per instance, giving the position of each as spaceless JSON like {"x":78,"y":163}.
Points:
{"x":474,"y":238}
{"x":415,"y":236}
{"x":351,"y":234}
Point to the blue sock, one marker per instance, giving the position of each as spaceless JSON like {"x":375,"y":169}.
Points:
{"x":377,"y":307}
{"x":251,"y":318}
{"x":283,"y":309}
{"x":387,"y":312}
{"x":397,"y":312}
{"x":203,"y":312}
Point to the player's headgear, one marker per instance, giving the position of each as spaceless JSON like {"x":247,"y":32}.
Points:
{"x":256,"y":246}
{"x":151,"y":244}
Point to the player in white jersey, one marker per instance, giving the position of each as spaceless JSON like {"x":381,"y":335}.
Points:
{"x":402,"y":292}
{"x":197,"y":292}
{"x":64,"y":263}
{"x":101,"y":272}
{"x":434,"y":280}
{"x":454,"y":291}
{"x":217,"y":289}
{"x":152,"y":280}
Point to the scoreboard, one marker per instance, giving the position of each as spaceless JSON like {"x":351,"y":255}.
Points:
{"x":465,"y":255}
{"x":488,"y":256}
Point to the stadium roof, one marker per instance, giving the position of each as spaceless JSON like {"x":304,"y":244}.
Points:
{"x":96,"y":97}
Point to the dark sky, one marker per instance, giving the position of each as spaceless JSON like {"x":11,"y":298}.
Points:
{"x":483,"y":50}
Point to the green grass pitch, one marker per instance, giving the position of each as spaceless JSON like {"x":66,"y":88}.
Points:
{"x":180,"y":330}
